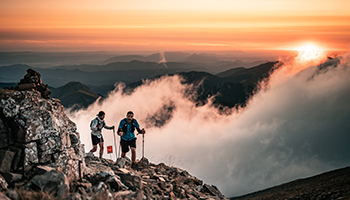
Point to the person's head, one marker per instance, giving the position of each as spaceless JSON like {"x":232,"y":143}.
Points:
{"x":101,"y":115}
{"x":130,"y":116}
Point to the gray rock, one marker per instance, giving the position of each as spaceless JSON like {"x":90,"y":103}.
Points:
{"x":42,"y":169}
{"x":12,"y":177}
{"x":6,"y":158}
{"x":17,"y":157}
{"x":131,"y":180}
{"x":51,"y":182}
{"x":4,"y":141}
{"x":115,"y":184}
{"x":143,"y":163}
{"x":3,"y":183}
{"x":120,"y":162}
{"x":13,"y":194}
{"x":3,"y":196}
{"x":30,"y":156}
{"x":41,"y":132}
{"x":212,"y":190}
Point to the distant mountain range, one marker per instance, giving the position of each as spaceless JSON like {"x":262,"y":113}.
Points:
{"x":175,"y":57}
{"x":232,"y":82}
{"x":109,"y":74}
{"x":74,"y":94}
{"x":49,"y":59}
{"x":231,"y":88}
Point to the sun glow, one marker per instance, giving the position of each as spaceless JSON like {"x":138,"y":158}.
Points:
{"x":309,"y":52}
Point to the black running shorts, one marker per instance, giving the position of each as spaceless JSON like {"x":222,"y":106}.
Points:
{"x":126,"y":144}
{"x":95,"y":140}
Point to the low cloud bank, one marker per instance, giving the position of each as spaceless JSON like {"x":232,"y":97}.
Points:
{"x":296,"y":126}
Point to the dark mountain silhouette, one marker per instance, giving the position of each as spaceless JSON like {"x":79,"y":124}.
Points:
{"x":127,"y":58}
{"x":135,"y":65}
{"x":242,"y":73}
{"x":330,"y":185}
{"x":98,"y":75}
{"x":231,"y":88}
{"x":175,"y":56}
{"x":169,"y":57}
{"x":74,"y":94}
{"x":201,"y":58}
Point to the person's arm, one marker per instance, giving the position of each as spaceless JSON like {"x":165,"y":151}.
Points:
{"x":120,"y":128}
{"x":109,"y":127}
{"x":137,"y":126}
{"x":141,"y":131}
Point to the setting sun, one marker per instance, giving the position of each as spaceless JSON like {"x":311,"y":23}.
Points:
{"x":309,"y":52}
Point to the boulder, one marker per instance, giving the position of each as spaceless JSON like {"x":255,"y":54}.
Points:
{"x":42,"y":169}
{"x":143,"y":163}
{"x":131,"y":180}
{"x":30,"y":156}
{"x":212,"y":190}
{"x":17,"y":157}
{"x":3,"y":183}
{"x":11,"y":178}
{"x":52,"y":182}
{"x":39,"y":133}
{"x":4,"y":141}
{"x":120,"y":162}
{"x":3,"y":196}
{"x":6,"y":158}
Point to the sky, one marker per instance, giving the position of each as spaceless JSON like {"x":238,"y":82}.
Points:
{"x":295,"y":127}
{"x":181,"y":25}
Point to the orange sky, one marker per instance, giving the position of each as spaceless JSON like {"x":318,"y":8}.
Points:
{"x":163,"y":25}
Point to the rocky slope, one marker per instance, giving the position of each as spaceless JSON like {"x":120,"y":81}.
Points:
{"x":330,"y":185}
{"x":41,"y":153}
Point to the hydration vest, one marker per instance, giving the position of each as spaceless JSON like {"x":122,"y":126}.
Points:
{"x":98,"y":123}
{"x":125,"y":126}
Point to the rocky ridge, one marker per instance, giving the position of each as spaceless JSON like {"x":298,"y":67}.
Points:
{"x":40,"y":151}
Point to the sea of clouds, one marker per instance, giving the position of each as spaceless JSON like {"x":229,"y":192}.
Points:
{"x":296,"y":126}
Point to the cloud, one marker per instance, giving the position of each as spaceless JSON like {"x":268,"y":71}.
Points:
{"x":295,"y":127}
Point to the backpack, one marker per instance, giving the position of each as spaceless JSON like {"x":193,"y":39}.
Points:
{"x":98,"y":123}
{"x":125,"y":126}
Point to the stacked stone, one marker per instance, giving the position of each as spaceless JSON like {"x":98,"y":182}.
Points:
{"x":36,"y":132}
{"x":32,"y":81}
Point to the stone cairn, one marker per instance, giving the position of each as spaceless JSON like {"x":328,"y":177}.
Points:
{"x":40,"y":150}
{"x":31,"y":82}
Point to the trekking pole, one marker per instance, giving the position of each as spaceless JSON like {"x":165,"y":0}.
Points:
{"x":115,"y":146}
{"x":143,"y":145}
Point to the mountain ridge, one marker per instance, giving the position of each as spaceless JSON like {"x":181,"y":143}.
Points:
{"x":334,"y":184}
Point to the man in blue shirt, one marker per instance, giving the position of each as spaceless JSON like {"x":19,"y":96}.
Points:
{"x":126,"y":130}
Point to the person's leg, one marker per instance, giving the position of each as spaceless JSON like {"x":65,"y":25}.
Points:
{"x":94,"y":148}
{"x":94,"y":143}
{"x":123,"y":154}
{"x":101,"y":148}
{"x":125,"y":147}
{"x":133,"y":154}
